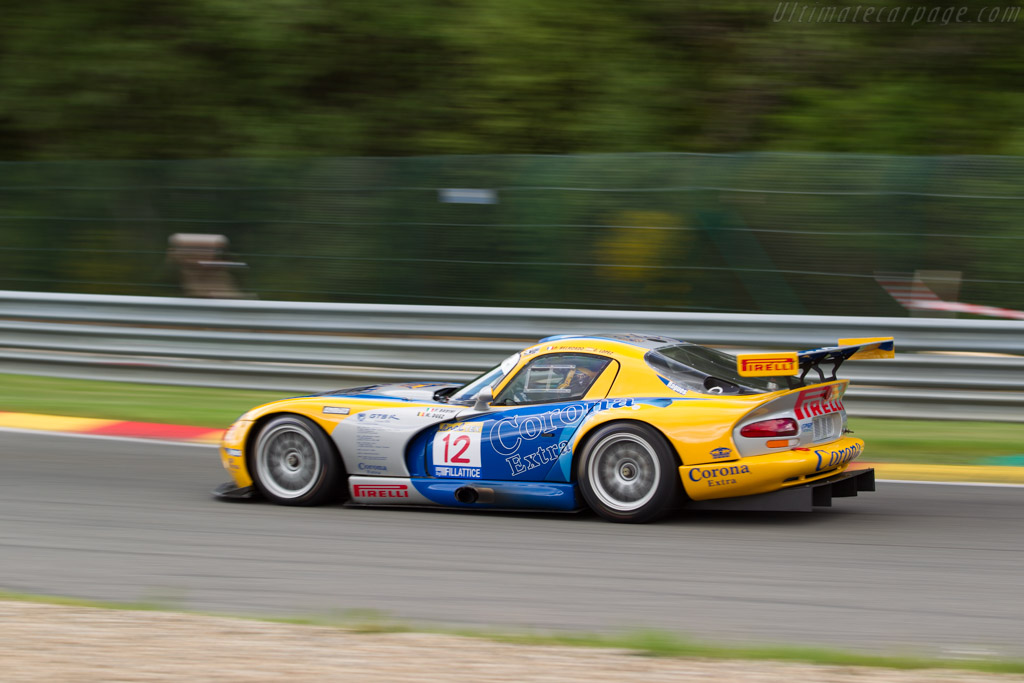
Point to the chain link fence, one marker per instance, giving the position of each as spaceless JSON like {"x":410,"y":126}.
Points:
{"x":765,"y":233}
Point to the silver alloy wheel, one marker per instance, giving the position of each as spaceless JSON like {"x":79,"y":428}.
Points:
{"x":624,"y":471}
{"x":287,"y":461}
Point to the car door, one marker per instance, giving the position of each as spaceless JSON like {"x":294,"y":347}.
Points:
{"x":528,"y":432}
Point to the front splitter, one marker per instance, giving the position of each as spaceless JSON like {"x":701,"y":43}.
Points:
{"x":229,"y":490}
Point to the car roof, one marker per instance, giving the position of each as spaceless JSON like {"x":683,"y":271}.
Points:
{"x":622,"y":345}
{"x":643,"y":341}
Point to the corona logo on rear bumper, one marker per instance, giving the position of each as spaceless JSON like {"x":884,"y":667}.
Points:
{"x":828,"y":459}
{"x":767,"y":364}
{"x":380,"y":491}
{"x":717,"y":476}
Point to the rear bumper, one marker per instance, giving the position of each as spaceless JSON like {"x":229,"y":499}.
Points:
{"x":770,"y":472}
{"x":802,"y":498}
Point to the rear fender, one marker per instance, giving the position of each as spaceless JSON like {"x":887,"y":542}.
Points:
{"x":804,"y":405}
{"x":698,"y":429}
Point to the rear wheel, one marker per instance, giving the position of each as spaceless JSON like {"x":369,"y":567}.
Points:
{"x":628,"y":473}
{"x":295,"y":462}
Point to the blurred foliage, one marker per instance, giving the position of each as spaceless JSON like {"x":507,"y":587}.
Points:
{"x":118,"y":79}
{"x":298,"y":105}
{"x":762,"y":232}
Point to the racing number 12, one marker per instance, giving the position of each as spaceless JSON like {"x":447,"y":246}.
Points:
{"x":457,"y":450}
{"x":462,"y":440}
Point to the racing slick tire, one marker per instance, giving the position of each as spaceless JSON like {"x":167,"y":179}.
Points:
{"x":295,"y":463}
{"x":627,"y":472}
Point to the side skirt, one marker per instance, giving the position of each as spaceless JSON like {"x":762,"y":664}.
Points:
{"x":463,"y":493}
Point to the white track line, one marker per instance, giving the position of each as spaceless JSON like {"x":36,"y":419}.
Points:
{"x":951,"y":483}
{"x":132,"y":439}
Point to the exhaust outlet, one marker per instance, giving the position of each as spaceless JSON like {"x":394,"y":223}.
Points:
{"x":466,"y":494}
{"x":474,"y":494}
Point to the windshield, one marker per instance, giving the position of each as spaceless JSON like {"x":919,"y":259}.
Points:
{"x":698,"y":368}
{"x":491,"y":378}
{"x":552,"y":378}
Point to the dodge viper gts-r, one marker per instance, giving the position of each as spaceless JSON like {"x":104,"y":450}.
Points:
{"x":631,"y":426}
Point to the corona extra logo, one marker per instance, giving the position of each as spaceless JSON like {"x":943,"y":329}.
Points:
{"x":698,"y":473}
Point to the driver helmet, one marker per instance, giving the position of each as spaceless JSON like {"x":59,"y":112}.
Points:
{"x":578,"y":378}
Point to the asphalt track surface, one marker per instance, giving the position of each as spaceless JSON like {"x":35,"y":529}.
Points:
{"x":920,"y":568}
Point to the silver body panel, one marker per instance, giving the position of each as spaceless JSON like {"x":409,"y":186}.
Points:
{"x":817,"y":409}
{"x":373,"y":442}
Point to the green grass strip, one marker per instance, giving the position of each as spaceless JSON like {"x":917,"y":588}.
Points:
{"x":663,"y":644}
{"x":930,"y":442}
{"x":935,"y":442}
{"x":653,"y":643}
{"x":196,"y":406}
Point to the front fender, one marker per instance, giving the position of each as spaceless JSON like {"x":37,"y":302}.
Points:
{"x":326,"y":411}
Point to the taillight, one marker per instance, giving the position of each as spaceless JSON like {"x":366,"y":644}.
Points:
{"x":785,"y":426}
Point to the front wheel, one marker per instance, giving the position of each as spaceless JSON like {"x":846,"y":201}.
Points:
{"x":295,"y":462}
{"x":628,"y":473}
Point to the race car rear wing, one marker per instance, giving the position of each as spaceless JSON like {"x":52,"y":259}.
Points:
{"x":800,"y":363}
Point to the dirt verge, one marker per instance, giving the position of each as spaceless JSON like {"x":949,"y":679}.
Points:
{"x":41,"y":642}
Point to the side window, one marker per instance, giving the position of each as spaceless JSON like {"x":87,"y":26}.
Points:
{"x":551,"y":378}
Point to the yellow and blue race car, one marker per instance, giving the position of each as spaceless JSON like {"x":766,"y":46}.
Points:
{"x":631,"y":426}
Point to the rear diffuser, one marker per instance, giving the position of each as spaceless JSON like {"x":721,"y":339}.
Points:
{"x":802,"y":498}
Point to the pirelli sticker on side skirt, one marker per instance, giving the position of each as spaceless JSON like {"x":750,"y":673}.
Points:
{"x":767,"y":364}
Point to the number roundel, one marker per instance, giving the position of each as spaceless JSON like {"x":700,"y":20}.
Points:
{"x":457,"y":447}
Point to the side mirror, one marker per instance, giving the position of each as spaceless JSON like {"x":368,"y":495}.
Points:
{"x":483,"y":400}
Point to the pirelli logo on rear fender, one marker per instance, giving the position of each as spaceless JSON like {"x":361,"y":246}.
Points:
{"x":767,"y":364}
{"x":820,"y":400}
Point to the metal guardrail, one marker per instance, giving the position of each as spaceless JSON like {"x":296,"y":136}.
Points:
{"x":945,"y":368}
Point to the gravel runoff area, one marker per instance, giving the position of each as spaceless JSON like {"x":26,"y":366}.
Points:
{"x":43,"y":642}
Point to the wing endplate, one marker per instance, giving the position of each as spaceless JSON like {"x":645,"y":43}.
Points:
{"x":871,"y":347}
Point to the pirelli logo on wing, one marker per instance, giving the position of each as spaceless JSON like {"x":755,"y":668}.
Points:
{"x":767,"y":364}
